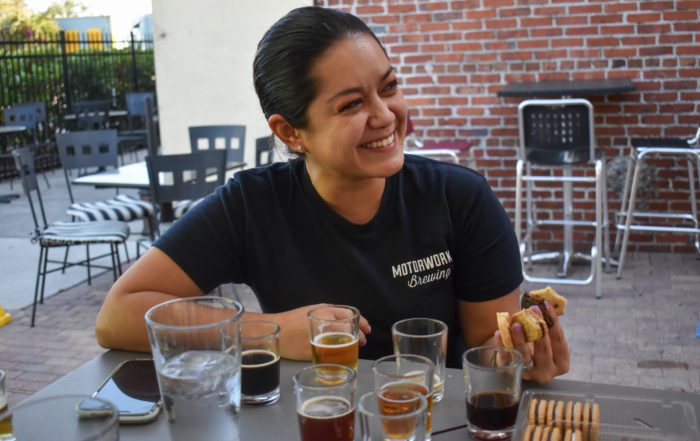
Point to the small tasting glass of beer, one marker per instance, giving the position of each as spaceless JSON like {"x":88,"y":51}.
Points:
{"x":260,"y":362}
{"x":393,"y":415}
{"x":335,"y":335}
{"x":398,"y":373}
{"x":492,"y":376}
{"x":325,"y":396}
{"x":426,"y":337}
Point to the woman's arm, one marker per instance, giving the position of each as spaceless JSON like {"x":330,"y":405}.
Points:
{"x":156,"y":278}
{"x":550,"y":355}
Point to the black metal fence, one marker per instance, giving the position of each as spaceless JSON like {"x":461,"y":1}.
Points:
{"x":67,"y":67}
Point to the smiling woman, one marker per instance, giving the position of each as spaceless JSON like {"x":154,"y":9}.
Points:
{"x":350,"y":221}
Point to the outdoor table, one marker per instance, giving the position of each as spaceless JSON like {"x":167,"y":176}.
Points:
{"x":568,"y":89}
{"x":110,"y":114}
{"x":9,"y":131}
{"x":128,"y":176}
{"x":279,"y":420}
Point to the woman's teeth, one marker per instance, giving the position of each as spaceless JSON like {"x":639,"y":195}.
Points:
{"x":381,"y":143}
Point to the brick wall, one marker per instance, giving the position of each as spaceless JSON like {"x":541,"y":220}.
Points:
{"x":454,"y":56}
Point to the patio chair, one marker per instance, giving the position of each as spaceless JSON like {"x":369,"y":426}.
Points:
{"x":228,"y":137}
{"x":264,"y":150}
{"x":152,"y":132}
{"x":65,"y":234}
{"x":625,"y":218}
{"x":135,"y":135}
{"x":181,"y":181}
{"x":91,"y":115}
{"x":557,"y":136}
{"x":450,"y":151}
{"x":94,"y":149}
{"x":33,"y":117}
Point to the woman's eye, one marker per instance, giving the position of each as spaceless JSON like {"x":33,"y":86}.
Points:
{"x":351,"y":105}
{"x":392,"y":85}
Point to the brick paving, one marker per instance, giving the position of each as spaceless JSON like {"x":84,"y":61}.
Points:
{"x":641,"y":333}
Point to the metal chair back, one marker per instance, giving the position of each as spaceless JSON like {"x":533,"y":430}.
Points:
{"x":264,"y":150}
{"x":187,"y":176}
{"x":88,"y":149}
{"x":91,"y":115}
{"x":556,"y":132}
{"x":24,"y":161}
{"x":219,"y":137}
{"x":136,"y":103}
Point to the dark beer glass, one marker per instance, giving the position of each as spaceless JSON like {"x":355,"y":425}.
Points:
{"x":260,"y":362}
{"x":325,"y":396}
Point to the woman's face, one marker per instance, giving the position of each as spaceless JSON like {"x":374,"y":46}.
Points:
{"x":357,"y":122}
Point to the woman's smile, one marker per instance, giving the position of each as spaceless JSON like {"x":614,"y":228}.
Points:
{"x":381,"y":144}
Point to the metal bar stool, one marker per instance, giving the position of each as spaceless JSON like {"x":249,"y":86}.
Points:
{"x":641,"y":148}
{"x":559,"y":134}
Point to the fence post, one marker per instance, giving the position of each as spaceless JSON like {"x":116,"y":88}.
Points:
{"x":134,"y":77}
{"x":64,"y":63}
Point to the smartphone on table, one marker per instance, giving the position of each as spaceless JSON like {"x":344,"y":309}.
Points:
{"x":133,"y":388}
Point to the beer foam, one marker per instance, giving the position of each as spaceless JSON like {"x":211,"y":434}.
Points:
{"x":325,"y":407}
{"x":318,"y":338}
{"x":275,"y":357}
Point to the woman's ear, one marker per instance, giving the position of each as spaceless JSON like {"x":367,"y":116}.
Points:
{"x":284,"y":131}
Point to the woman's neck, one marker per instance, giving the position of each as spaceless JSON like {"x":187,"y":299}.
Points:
{"x":355,"y":200}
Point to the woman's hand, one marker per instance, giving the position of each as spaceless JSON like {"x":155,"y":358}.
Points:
{"x":545,"y":358}
{"x":295,"y":333}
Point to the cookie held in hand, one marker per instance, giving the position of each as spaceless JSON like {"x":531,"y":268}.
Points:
{"x":534,"y":326}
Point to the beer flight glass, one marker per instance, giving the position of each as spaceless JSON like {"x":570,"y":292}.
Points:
{"x":260,"y":362}
{"x":395,"y":374}
{"x":335,"y":335}
{"x":492,"y":380}
{"x":426,"y":337}
{"x":392,"y":415}
{"x":325,"y":402}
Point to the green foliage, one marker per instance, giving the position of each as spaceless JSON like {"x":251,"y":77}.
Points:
{"x":16,"y":20}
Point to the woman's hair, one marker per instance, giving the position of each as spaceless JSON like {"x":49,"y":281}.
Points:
{"x":287,"y":53}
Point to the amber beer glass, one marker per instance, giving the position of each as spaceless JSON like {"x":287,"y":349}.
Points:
{"x":394,"y":375}
{"x":325,"y":395}
{"x":335,"y":335}
{"x":426,"y":337}
{"x":393,"y":415}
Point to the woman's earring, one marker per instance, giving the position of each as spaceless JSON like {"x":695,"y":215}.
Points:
{"x":300,"y":148}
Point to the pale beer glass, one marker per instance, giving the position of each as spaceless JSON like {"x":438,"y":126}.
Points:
{"x":325,"y":402}
{"x":407,"y":372}
{"x":426,"y":337}
{"x":335,"y":335}
{"x":58,"y":417}
{"x":393,"y":415}
{"x":196,"y":344}
{"x":260,"y":362}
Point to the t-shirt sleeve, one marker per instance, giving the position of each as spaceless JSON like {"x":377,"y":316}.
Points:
{"x":204,"y":243}
{"x":488,"y":259}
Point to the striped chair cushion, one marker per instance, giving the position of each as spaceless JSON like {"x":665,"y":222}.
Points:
{"x":123,"y":208}
{"x":70,"y":233}
{"x":181,"y":207}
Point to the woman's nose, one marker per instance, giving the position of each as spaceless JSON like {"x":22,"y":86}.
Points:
{"x":381,"y":115}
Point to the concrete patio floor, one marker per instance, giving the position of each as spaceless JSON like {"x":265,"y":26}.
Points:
{"x":641,"y":333}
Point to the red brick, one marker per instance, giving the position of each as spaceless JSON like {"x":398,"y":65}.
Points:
{"x":466,"y":47}
{"x":688,"y":4}
{"x":385,"y":19}
{"x":680,"y":15}
{"x":600,"y":42}
{"x":432,"y":27}
{"x":484,"y":35}
{"x":533,"y":44}
{"x":638,"y":41}
{"x":433,"y":6}
{"x":549,"y":32}
{"x":418,"y":59}
{"x":644,"y":18}
{"x":404,"y":48}
{"x":655,"y":50}
{"x":658,"y":97}
{"x":501,"y":24}
{"x":620,"y":7}
{"x":470,"y":111}
{"x":600,"y":19}
{"x":440,"y":111}
{"x":678,"y":85}
{"x":655,"y":6}
{"x":467,"y":25}
{"x":620,"y":52}
{"x":553,"y":11}
{"x":617,"y":30}
{"x":370,"y":10}
{"x":686,"y":27}
{"x":536,"y":22}
{"x":401,"y":8}
{"x":583,"y":30}
{"x":675,"y":38}
{"x":481,"y":14}
{"x":661,"y":28}
{"x":688,"y":50}
{"x":497,"y":3}
{"x":658,"y":119}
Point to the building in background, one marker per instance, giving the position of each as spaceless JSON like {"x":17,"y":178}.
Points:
{"x":92,"y":32}
{"x":143,"y":31}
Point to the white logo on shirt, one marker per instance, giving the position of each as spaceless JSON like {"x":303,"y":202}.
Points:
{"x":439,"y":262}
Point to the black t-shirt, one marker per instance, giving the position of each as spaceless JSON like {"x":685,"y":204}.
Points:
{"x":440,"y":235}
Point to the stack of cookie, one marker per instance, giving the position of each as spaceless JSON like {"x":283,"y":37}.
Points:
{"x":558,"y":420}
